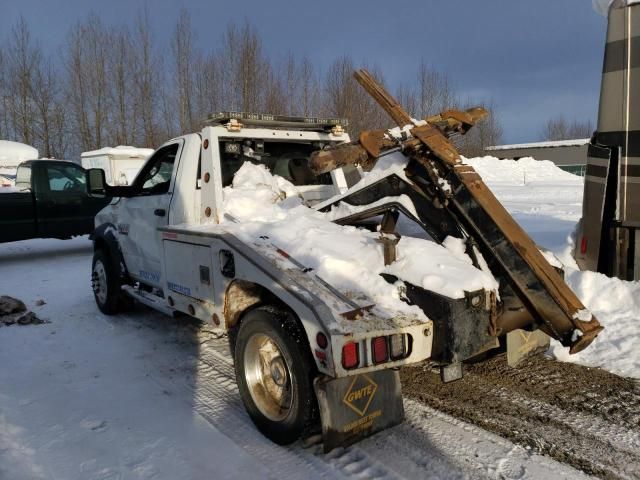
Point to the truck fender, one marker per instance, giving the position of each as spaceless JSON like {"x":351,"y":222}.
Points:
{"x":241,"y":296}
{"x":104,"y":237}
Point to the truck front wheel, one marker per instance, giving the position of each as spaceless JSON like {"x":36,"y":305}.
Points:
{"x":105,"y":283}
{"x":275,"y":373}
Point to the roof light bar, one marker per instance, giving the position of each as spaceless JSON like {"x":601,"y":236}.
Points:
{"x":262,"y":119}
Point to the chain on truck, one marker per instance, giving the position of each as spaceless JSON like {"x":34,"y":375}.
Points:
{"x":307,"y":355}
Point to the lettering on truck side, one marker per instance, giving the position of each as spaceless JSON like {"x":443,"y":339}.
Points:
{"x":151,"y":276}
{"x":179,"y":288}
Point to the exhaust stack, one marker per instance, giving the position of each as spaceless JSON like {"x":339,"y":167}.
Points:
{"x":608,"y":239}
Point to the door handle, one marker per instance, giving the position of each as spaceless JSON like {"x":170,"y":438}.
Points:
{"x":159,"y":212}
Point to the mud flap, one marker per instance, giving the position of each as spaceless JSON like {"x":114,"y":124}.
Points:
{"x":354,"y":408}
{"x":522,"y":344}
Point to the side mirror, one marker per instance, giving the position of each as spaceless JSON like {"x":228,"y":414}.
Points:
{"x":96,"y":182}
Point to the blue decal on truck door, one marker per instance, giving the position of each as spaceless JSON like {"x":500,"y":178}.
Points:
{"x":151,"y":276}
{"x":179,"y":288}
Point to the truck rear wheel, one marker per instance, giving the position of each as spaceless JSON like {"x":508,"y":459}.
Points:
{"x":105,"y":283}
{"x":275,"y":372}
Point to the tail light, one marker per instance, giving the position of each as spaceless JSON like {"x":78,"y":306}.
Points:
{"x":583,"y":245}
{"x":321,"y":340}
{"x":398,"y":344}
{"x":350,"y":356}
{"x":379,"y":349}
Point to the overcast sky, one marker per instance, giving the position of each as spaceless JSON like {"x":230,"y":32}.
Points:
{"x":535,"y":59}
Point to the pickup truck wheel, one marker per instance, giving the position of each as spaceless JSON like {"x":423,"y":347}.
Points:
{"x":275,"y":372}
{"x":105,"y":284}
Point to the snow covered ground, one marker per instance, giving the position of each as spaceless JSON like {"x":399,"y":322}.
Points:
{"x":143,"y":396}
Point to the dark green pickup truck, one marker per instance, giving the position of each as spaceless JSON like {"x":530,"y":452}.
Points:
{"x":49,"y":200}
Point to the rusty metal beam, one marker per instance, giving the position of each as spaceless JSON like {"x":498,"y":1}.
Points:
{"x":538,"y":285}
{"x":384,"y":98}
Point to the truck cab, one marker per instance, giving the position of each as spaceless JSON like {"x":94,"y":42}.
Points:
{"x":168,"y":189}
{"x":49,"y":200}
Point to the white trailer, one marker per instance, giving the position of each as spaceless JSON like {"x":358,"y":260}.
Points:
{"x":121,"y":164}
{"x":11,"y":155}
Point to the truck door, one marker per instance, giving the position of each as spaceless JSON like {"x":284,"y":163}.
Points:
{"x":64,"y":208}
{"x":141,"y":215}
{"x":17,"y":209}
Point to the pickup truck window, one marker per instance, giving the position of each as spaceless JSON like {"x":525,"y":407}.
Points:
{"x":155,"y":177}
{"x":66,"y":178}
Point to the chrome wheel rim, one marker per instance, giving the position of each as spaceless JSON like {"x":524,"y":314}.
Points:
{"x":268,"y":377}
{"x":99,"y":282}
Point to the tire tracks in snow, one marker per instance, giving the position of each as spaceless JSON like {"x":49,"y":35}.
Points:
{"x":582,"y":416}
{"x":428,"y":444}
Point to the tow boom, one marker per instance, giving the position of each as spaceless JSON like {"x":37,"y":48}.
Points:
{"x":452,"y":199}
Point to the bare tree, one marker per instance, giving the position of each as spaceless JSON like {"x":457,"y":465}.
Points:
{"x":408,"y":98}
{"x":290,"y":86}
{"x":22,"y":58}
{"x":146,"y":82}
{"x":47,"y":122}
{"x":208,"y":86}
{"x":251,"y":67}
{"x":87,"y":82}
{"x":115,"y":88}
{"x":309,"y":94}
{"x":434,"y":91}
{"x":344,"y":97}
{"x":183,"y":55}
{"x":119,"y":64}
{"x":5,"y":128}
{"x":486,"y":133}
{"x":274,"y":92}
{"x":558,"y":128}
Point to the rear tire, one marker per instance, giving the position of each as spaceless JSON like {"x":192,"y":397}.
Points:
{"x":105,"y":283}
{"x":275,"y":372}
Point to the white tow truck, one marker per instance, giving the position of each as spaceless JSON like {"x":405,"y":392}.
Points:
{"x":303,"y":350}
{"x":305,"y":343}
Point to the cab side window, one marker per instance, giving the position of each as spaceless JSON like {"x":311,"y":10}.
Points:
{"x":66,"y":178}
{"x":155,"y":177}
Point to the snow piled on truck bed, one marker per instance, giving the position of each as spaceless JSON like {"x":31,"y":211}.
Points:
{"x":544,"y":199}
{"x":348,"y":258}
{"x":547,"y":202}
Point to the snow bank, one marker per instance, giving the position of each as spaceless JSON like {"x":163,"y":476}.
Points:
{"x":616,"y":304}
{"x":576,"y":142}
{"x":547,"y":202}
{"x":526,"y":170}
{"x":348,"y":258}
